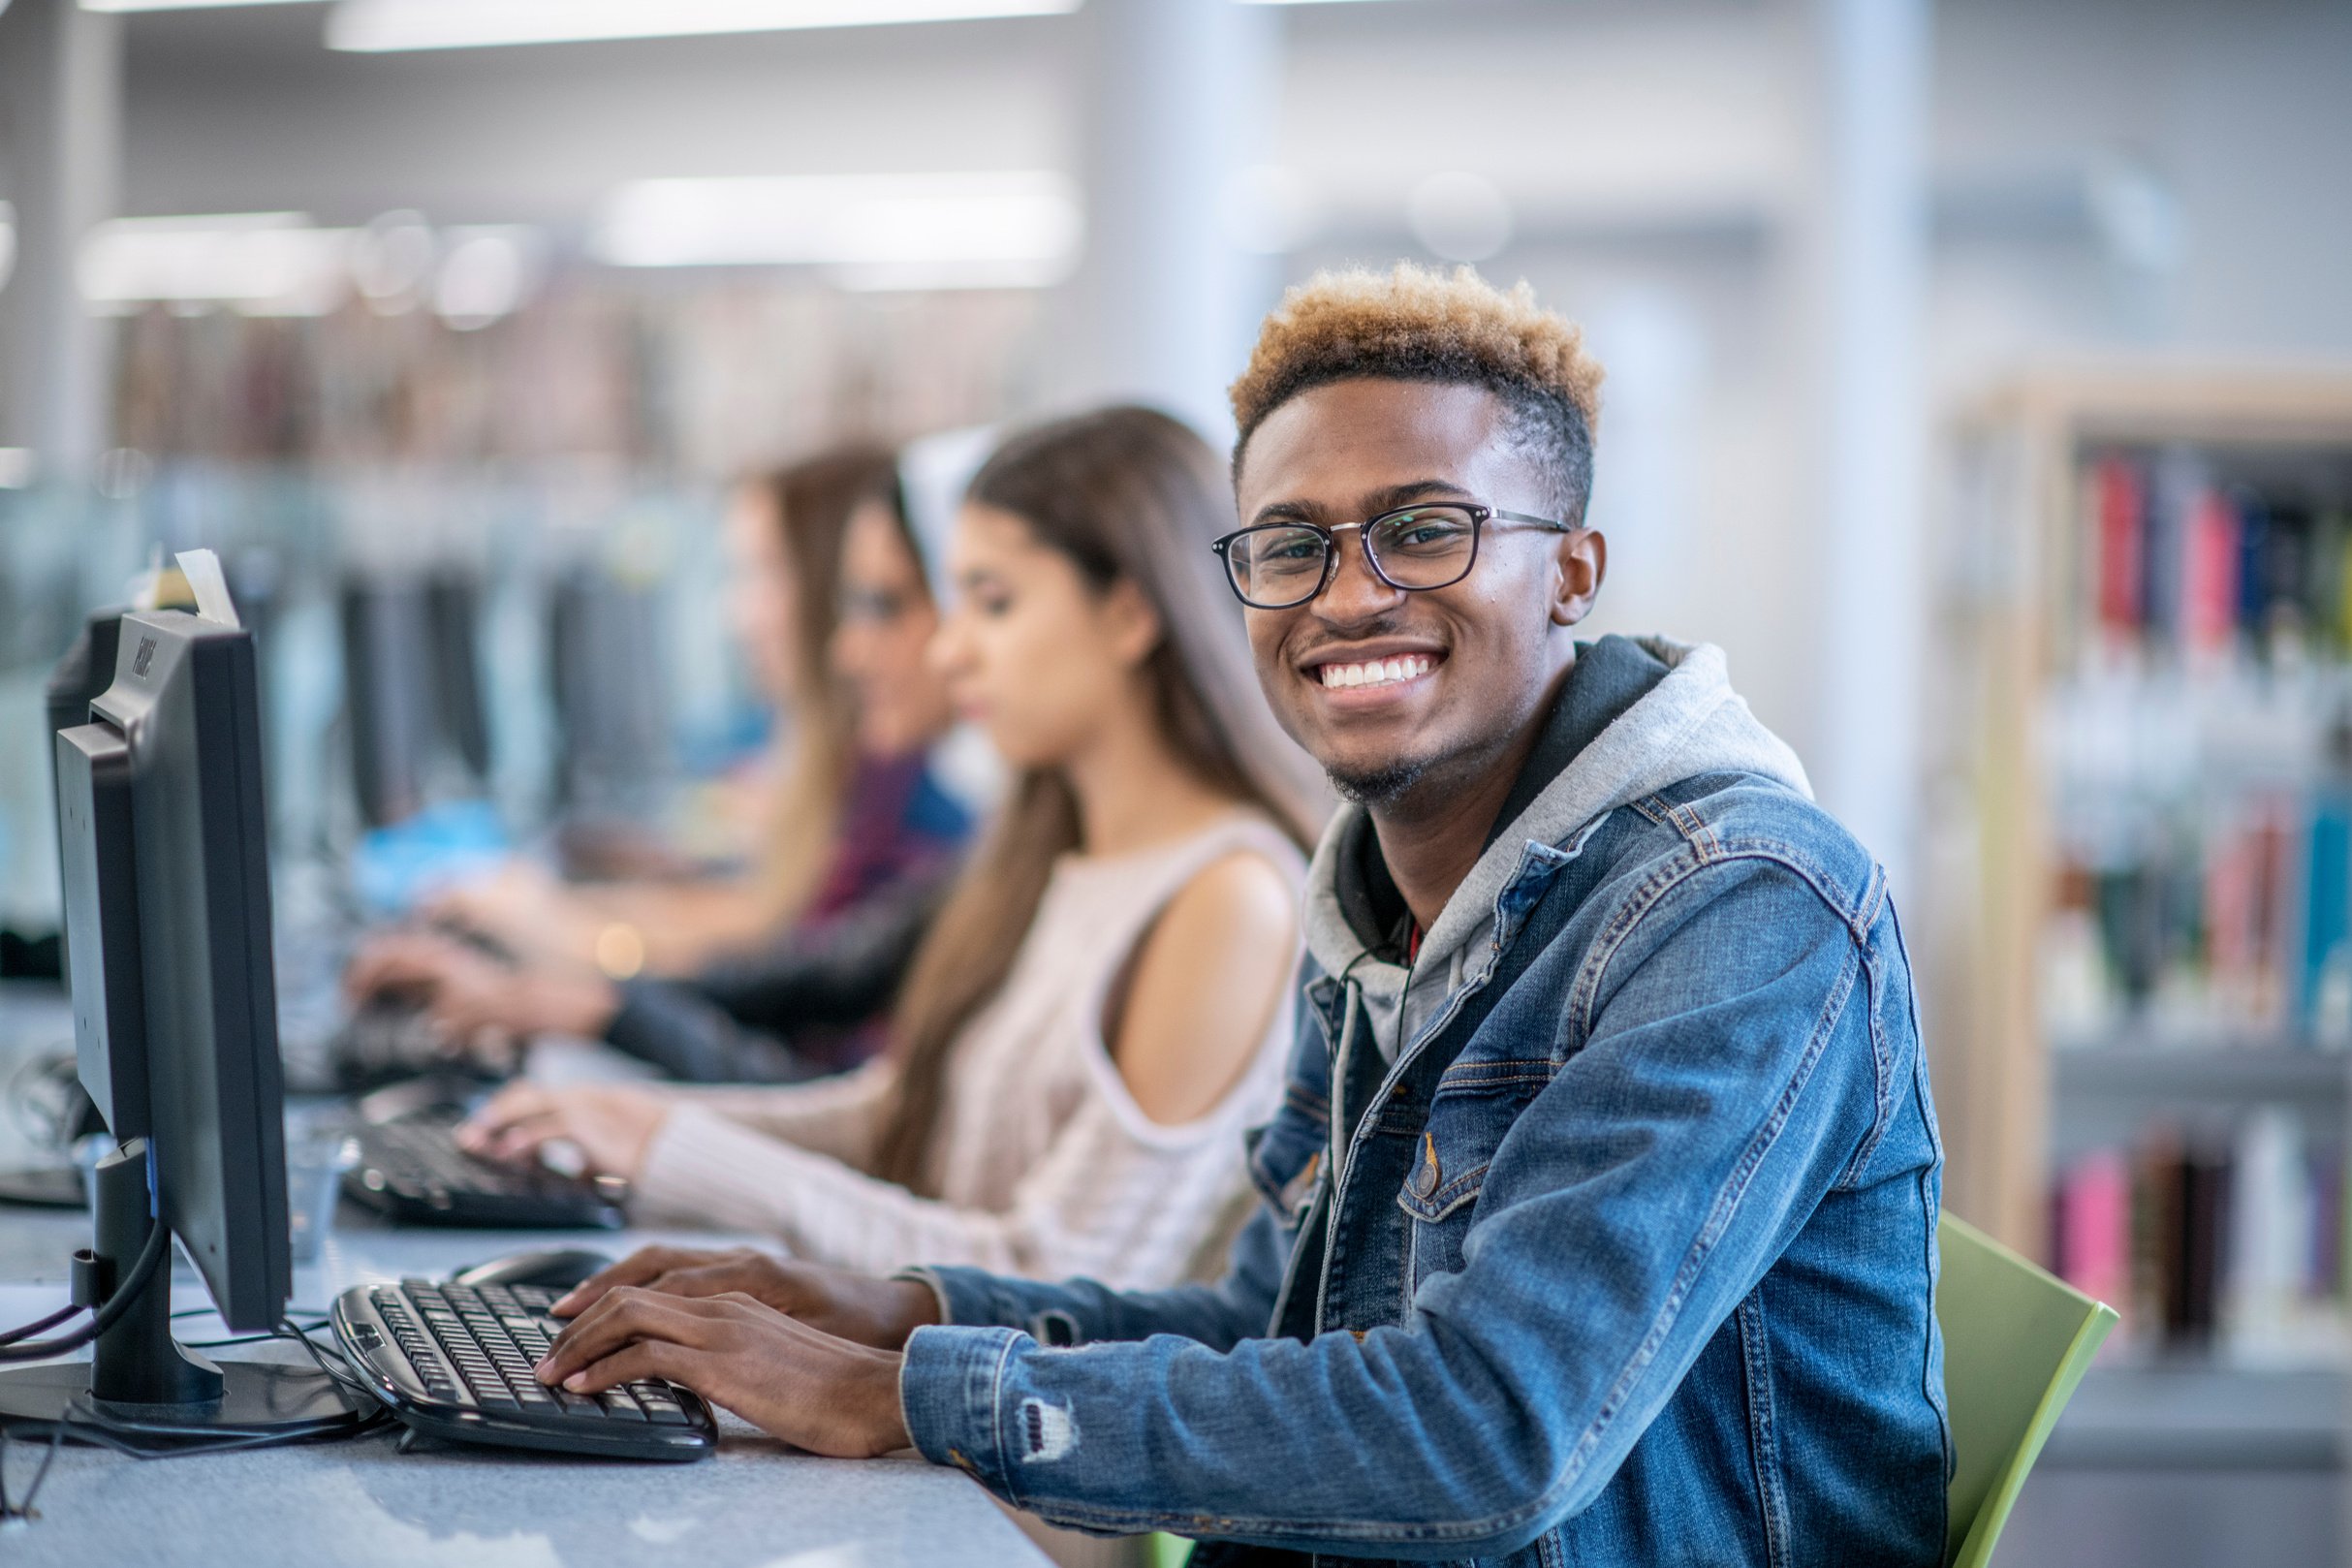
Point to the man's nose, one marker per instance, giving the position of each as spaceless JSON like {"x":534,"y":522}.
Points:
{"x":1357,"y":592}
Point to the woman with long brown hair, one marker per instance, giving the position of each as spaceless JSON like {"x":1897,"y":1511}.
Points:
{"x":1095,"y":1013}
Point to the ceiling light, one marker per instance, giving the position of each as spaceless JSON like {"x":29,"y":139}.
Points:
{"x":1007,"y":229}
{"x":262,"y":262}
{"x":175,"y":5}
{"x":383,"y":25}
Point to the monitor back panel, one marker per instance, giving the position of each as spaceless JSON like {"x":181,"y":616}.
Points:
{"x":185,"y":695}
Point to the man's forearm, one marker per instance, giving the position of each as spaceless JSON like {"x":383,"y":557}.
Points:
{"x":1080,"y":1311}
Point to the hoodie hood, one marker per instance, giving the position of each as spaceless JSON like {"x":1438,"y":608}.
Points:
{"x":1690,"y":723}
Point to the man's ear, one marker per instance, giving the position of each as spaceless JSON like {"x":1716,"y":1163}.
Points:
{"x":1133,"y":625}
{"x":1582,"y":562}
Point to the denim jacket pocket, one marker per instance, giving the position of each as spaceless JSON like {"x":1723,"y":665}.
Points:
{"x":1474,"y":1106}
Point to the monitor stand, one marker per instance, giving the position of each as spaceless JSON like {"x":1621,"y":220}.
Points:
{"x":141,"y":1386}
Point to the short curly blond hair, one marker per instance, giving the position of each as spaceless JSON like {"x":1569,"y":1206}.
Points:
{"x":1417,"y":324}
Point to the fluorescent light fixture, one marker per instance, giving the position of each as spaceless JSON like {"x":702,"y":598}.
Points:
{"x":373,"y":26}
{"x":1006,"y":229}
{"x":263,"y":263}
{"x":177,"y":5}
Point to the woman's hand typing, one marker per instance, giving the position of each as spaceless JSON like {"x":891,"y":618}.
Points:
{"x":612,"y":1125}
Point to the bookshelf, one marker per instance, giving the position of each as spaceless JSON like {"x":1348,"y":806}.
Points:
{"x":2136,"y":907}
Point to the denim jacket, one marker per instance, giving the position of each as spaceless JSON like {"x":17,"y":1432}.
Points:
{"x":1605,"y":1233}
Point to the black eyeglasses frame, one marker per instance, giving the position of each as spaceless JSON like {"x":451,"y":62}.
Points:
{"x":1480,"y":515}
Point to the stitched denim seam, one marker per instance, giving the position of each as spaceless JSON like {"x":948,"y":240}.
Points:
{"x":1470,"y":1078}
{"x":1882,"y":1050}
{"x":1621,"y":924}
{"x":996,"y":1420}
{"x":1930,"y":1385}
{"x":1763,"y":1434}
{"x":1671,"y":873}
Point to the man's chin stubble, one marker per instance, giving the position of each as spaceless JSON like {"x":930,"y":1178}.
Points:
{"x":1379,"y":786}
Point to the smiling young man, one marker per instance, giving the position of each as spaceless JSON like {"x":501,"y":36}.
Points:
{"x":1598,"y":1220}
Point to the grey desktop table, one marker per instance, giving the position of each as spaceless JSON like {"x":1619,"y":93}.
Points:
{"x":757,"y":1504}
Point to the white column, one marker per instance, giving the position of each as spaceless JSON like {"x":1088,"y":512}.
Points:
{"x":1178,"y":99}
{"x":1865,"y":239}
{"x":60,"y":167}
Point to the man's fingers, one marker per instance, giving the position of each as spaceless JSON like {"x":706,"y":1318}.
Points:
{"x":651,"y":1267}
{"x":624,"y":1315}
{"x":634,"y":1362}
{"x":707,"y":1281}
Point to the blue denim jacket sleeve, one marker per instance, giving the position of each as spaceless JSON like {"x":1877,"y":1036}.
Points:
{"x":1721,"y":1076}
{"x":1080,"y":1311}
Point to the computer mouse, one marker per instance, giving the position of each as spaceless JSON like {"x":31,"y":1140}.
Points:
{"x":556,"y":1268}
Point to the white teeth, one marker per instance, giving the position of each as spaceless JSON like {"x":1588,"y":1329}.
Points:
{"x":1377,"y":671}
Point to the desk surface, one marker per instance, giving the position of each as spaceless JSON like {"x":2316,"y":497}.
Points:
{"x":757,"y":1504}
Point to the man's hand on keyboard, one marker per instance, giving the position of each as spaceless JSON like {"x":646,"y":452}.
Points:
{"x":840,"y":1302}
{"x":811,"y":1389}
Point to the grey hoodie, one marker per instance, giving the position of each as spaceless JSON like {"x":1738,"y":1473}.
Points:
{"x":1690,"y":723}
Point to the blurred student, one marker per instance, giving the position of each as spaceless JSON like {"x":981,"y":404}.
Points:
{"x":835,"y":614}
{"x":1094,"y":1018}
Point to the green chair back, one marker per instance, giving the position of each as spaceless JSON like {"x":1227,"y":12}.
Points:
{"x":2017,"y":1341}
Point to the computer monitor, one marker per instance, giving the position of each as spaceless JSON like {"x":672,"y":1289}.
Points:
{"x":167,"y":870}
{"x":413,"y":692}
{"x":605,"y":667}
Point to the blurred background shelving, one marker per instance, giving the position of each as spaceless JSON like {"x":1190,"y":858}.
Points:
{"x":2141,"y":856}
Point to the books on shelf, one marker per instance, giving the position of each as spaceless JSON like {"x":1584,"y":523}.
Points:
{"x":2192,"y":553}
{"x":2228,"y":1242}
{"x":2198,"y":735}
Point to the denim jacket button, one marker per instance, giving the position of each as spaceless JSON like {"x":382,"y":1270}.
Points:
{"x":1425,"y":1180}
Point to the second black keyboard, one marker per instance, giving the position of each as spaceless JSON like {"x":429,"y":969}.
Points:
{"x":455,"y":1362}
{"x":412,"y":1170}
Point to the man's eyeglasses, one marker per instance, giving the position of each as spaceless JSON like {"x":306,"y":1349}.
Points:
{"x":1277,"y":565}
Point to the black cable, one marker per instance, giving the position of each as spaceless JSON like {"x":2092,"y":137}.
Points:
{"x":118,"y":1301}
{"x":24,"y":1510}
{"x":10,"y":1337}
{"x":347,"y":1377}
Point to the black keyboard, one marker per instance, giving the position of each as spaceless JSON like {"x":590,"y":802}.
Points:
{"x":455,"y":1362}
{"x":413,"y":1170}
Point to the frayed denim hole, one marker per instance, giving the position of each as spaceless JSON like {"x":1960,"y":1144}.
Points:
{"x":1055,"y":1327}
